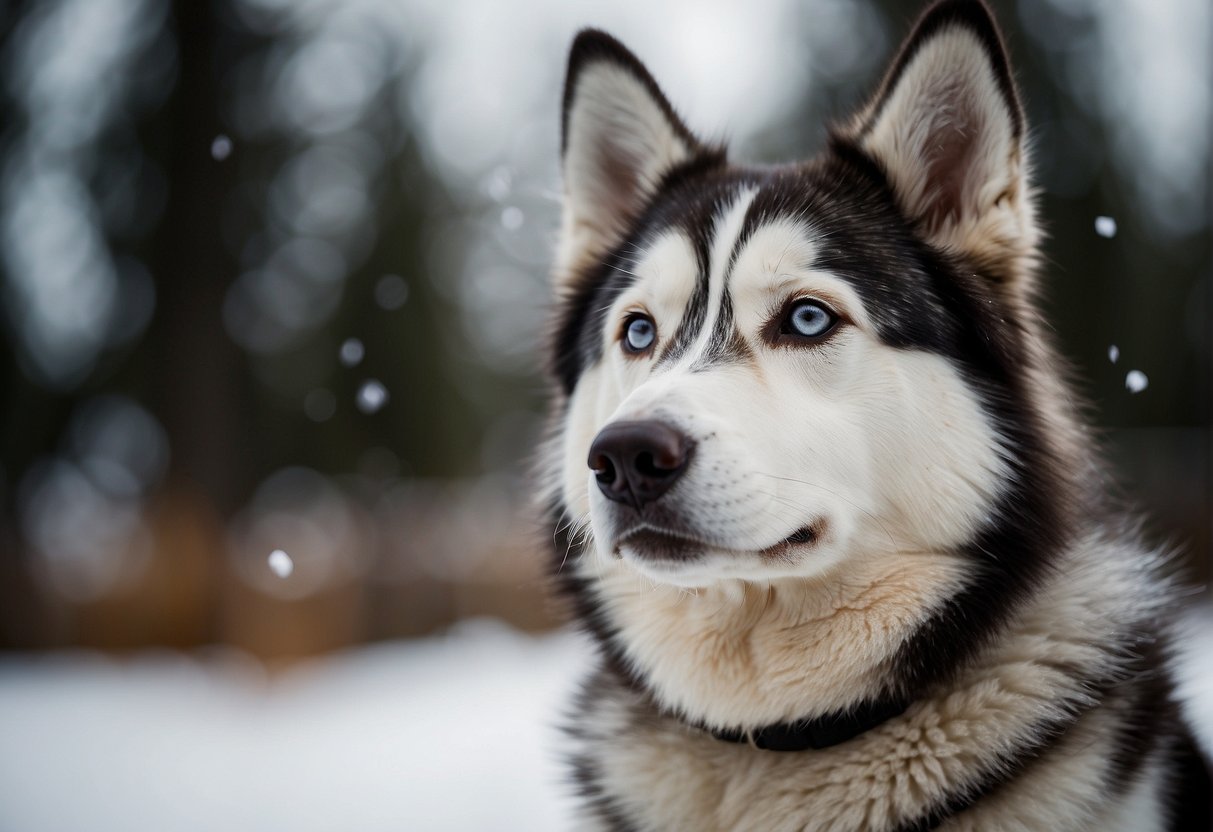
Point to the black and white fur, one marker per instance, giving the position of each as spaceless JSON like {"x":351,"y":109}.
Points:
{"x":908,"y":510}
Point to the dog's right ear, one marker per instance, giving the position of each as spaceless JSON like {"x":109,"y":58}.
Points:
{"x":620,"y":137}
{"x":948,"y":130}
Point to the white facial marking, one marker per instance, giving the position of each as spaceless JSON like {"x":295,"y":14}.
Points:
{"x":725,"y":232}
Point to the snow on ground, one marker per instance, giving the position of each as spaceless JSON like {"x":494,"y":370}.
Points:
{"x":444,"y":734}
{"x":441,"y":735}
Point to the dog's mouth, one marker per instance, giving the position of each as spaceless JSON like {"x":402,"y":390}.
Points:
{"x":671,"y":546}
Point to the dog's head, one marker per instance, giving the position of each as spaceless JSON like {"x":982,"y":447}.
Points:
{"x":768,"y":373}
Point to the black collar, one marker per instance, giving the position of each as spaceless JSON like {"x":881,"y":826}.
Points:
{"x":819,"y":732}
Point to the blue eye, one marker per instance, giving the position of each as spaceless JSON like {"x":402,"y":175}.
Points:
{"x":640,"y":334}
{"x":809,"y":319}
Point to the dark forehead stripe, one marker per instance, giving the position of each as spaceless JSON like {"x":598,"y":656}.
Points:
{"x":726,"y":342}
{"x":697,"y":224}
{"x":726,"y":345}
{"x":701,"y":228}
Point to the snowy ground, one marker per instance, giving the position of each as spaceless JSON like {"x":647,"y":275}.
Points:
{"x":452,"y":733}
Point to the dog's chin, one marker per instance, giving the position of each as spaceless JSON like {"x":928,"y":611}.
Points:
{"x":686,"y":562}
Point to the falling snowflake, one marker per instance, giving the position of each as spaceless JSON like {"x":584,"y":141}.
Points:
{"x":1105,"y":227}
{"x":281,"y":564}
{"x":1113,"y":353}
{"x":221,"y":148}
{"x":1136,"y":381}
{"x":372,"y":395}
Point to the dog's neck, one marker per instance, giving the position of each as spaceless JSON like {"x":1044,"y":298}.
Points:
{"x":745,"y":656}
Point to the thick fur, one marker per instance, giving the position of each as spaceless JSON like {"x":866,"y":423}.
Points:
{"x":908,"y":509}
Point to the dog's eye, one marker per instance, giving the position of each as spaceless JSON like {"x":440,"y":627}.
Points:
{"x":809,"y":319}
{"x":639,"y":333}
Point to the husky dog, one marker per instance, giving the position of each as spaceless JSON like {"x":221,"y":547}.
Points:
{"x":833,"y":519}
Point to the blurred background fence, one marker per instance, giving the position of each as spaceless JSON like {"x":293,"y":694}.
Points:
{"x":273,"y":275}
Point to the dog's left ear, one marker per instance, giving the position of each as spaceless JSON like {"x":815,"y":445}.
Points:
{"x":619,"y":139}
{"x":947,"y":128}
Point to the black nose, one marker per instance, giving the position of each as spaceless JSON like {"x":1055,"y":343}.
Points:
{"x":637,"y":462}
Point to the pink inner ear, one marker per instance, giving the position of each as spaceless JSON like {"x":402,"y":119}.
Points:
{"x":949,"y":161}
{"x":621,"y":181}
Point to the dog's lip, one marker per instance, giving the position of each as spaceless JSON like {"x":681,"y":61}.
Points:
{"x":665,"y":544}
{"x":661,"y":544}
{"x":806,"y":535}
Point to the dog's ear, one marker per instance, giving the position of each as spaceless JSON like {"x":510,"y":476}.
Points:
{"x":620,"y":137}
{"x":947,"y":128}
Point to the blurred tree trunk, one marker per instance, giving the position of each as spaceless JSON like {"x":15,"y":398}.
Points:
{"x":196,"y":375}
